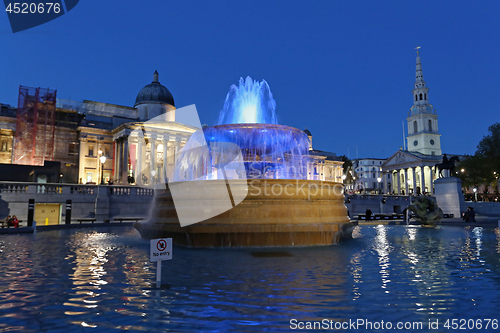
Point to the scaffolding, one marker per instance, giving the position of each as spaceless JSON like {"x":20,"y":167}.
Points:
{"x":35,"y":126}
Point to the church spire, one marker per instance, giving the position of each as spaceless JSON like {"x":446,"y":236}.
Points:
{"x":420,"y":92}
{"x":423,"y":135}
{"x":419,"y":76}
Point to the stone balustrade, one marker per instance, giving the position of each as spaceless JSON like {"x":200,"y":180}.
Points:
{"x":88,"y":201}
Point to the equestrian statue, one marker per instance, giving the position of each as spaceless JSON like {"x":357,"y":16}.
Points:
{"x":446,"y":165}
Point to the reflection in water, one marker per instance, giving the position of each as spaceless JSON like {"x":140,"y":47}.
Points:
{"x":71,"y":280}
{"x":383,"y":248}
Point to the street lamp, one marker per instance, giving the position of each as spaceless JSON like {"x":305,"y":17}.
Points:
{"x":475,"y":193}
{"x":379,"y":180}
{"x":103,"y":160}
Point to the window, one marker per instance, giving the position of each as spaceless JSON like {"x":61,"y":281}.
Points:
{"x":425,"y":96}
{"x":72,"y":148}
{"x":4,"y":145}
{"x":91,"y":150}
{"x":373,"y":176}
{"x":89,"y":177}
{"x":430,"y":125}
{"x":106,"y":152}
{"x":373,"y":162}
{"x":420,"y":96}
{"x":415,"y":127}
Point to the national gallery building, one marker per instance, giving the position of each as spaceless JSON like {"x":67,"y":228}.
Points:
{"x":78,"y":134}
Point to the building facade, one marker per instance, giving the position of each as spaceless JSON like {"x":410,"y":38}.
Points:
{"x":368,"y":175}
{"x":412,"y":171}
{"x":86,"y":131}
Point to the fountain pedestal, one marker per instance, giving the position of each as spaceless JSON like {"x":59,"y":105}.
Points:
{"x":276,"y":212}
{"x":449,"y":196}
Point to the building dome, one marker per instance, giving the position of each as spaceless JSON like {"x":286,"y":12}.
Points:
{"x":307,"y":132}
{"x":154,"y":93}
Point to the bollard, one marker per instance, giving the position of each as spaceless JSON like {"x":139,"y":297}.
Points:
{"x":34,"y":227}
{"x":31,"y":211}
{"x":68,"y":211}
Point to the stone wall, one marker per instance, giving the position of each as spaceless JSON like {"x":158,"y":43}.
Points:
{"x":88,"y":201}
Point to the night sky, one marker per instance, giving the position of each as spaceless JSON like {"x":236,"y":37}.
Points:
{"x":343,"y":69}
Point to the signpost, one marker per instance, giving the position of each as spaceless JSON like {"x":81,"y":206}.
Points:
{"x":161,"y":249}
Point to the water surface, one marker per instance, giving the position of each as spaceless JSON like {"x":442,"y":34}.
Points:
{"x":75,"y":280}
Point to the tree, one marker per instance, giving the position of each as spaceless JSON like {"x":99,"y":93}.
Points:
{"x":474,"y":171}
{"x":489,"y":148}
{"x":484,"y":166}
{"x":348,"y":170}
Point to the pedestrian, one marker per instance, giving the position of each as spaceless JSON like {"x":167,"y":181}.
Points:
{"x":472,"y":215}
{"x":7,"y":221}
{"x":368,"y":214}
{"x":14,"y":222}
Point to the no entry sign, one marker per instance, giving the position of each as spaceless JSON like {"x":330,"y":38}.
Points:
{"x":161,"y":249}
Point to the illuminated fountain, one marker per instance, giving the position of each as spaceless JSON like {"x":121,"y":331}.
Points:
{"x":263,"y":167}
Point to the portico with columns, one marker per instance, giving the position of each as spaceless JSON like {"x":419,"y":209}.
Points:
{"x":409,"y":173}
{"x":146,"y":156}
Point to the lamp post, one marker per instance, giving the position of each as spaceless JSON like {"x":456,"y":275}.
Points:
{"x":475,"y":193}
{"x":103,"y":160}
{"x":379,"y":180}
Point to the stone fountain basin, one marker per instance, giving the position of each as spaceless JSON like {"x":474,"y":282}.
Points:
{"x":275,"y":212}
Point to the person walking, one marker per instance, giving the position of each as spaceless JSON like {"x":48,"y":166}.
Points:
{"x":368,"y":214}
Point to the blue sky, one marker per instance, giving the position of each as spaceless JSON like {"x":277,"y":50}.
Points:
{"x":343,"y":69}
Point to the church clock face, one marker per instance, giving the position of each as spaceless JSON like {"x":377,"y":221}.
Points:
{"x":415,"y":142}
{"x":432,"y":141}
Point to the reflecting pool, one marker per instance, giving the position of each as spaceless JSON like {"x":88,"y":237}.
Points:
{"x":74,"y":280}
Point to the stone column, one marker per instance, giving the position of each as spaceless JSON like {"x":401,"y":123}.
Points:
{"x":118,"y":162}
{"x":422,"y":178}
{"x":164,"y":141}
{"x":384,"y":179}
{"x":414,"y":180}
{"x":115,"y":159}
{"x":138,"y":163}
{"x":81,"y":159}
{"x":124,"y":171}
{"x":399,"y":182}
{"x":431,"y":187}
{"x":407,"y":189}
{"x":153,"y":160}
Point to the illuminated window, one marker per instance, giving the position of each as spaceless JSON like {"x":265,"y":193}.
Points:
{"x":91,"y":150}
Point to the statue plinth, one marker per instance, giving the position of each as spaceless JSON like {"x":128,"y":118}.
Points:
{"x":449,"y":196}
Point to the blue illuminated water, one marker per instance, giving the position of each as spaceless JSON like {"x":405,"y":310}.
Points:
{"x":249,"y":102}
{"x":71,"y":280}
